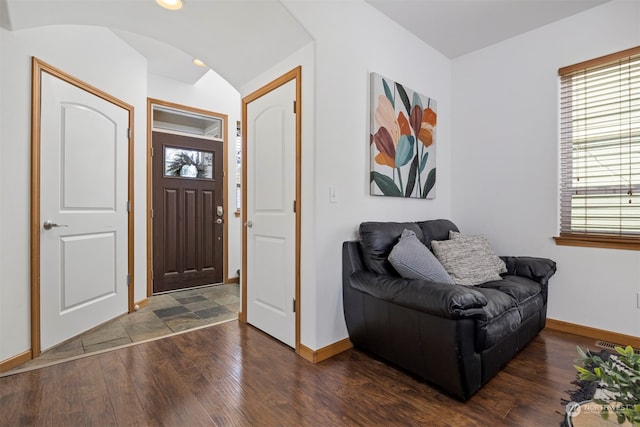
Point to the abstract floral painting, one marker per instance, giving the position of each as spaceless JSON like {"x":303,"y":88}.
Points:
{"x":403,"y":141}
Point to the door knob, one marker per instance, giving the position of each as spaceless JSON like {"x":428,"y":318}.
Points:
{"x":48,"y":225}
{"x":249,"y":224}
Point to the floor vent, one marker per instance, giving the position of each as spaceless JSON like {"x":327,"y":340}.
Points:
{"x":612,"y":346}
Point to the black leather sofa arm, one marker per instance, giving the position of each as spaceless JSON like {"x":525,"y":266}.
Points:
{"x":439,"y":299}
{"x":538,"y":269}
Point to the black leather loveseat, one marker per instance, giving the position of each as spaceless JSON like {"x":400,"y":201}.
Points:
{"x":455,"y":337}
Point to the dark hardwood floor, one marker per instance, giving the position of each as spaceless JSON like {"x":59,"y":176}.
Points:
{"x":234,"y":375}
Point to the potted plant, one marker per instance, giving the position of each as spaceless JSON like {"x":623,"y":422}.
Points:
{"x":619,"y":375}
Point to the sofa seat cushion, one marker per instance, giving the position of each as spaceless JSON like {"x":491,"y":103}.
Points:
{"x":501,"y":316}
{"x":518,"y":288}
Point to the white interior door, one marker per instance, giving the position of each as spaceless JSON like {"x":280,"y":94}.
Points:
{"x":271,"y":187}
{"x":83,"y":193}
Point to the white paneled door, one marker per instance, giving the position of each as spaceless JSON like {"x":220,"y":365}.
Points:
{"x":271,"y":220}
{"x":84,"y":146}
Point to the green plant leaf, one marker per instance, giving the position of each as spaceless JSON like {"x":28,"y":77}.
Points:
{"x":429,"y":183}
{"x":581,"y":353}
{"x":388,"y":93}
{"x":411,"y":180}
{"x":625,"y":351}
{"x":598,"y":372}
{"x":423,"y":162}
{"x":385,"y":184}
{"x":404,"y":98}
{"x":404,"y":150}
{"x":621,"y":377}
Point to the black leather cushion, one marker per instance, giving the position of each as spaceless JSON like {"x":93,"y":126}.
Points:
{"x":436,"y":229}
{"x":500,"y":318}
{"x":377,"y":240}
{"x":524,"y":291}
{"x":518,"y":288}
{"x":538,"y":269}
{"x":440,"y":299}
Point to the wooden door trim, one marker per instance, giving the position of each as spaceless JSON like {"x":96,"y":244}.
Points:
{"x":37,"y":68}
{"x":225,"y":180}
{"x":295,"y":74}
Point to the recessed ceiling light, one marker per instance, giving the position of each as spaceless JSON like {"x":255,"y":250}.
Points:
{"x":170,"y":4}
{"x":199,"y":63}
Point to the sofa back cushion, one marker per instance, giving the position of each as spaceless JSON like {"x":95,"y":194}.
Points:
{"x":436,"y":229}
{"x":377,"y":240}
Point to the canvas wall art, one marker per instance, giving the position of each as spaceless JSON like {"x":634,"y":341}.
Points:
{"x":402,"y":141}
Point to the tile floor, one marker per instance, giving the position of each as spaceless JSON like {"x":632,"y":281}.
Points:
{"x":164,"y":314}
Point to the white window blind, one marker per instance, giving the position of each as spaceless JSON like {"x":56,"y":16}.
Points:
{"x":600,"y":146}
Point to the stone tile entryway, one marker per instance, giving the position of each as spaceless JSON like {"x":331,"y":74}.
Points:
{"x":165,"y":314}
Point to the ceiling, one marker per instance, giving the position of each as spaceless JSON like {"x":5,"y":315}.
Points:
{"x":458,"y":27}
{"x":237,"y":39}
{"x":241,"y":39}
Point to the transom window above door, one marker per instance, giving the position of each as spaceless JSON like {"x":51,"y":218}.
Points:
{"x":167,"y":119}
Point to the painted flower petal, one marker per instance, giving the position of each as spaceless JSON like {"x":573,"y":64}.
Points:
{"x":404,"y":150}
{"x":426,"y":134}
{"x":405,"y":129}
{"x":429,"y":120}
{"x":430,"y":117}
{"x":416,"y":100}
{"x":385,"y":160}
{"x":384,"y":144}
{"x":416,"y":119}
{"x":385,"y":116}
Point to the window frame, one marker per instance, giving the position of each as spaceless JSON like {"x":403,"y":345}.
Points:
{"x":617,"y":240}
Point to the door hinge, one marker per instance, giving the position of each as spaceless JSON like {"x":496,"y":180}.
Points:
{"x":294,"y":305}
{"x":128,"y":280}
{"x":151,"y":151}
{"x":128,"y":205}
{"x":128,"y":133}
{"x":295,"y":207}
{"x":151,"y":213}
{"x":294,"y":107}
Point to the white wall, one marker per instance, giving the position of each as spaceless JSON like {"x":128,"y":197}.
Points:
{"x":348,"y":46}
{"x":505,"y":160}
{"x":211,"y":93}
{"x":98,"y":57}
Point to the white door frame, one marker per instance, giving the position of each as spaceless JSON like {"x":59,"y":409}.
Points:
{"x":295,"y":74}
{"x":39,"y":67}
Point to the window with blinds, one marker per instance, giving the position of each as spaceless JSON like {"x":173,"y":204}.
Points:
{"x":600,"y":151}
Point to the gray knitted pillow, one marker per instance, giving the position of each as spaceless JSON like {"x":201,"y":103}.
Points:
{"x":468,"y":259}
{"x":499,"y":264}
{"x":412,"y":260}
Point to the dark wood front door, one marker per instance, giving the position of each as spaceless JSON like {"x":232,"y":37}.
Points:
{"x":187,"y":211}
